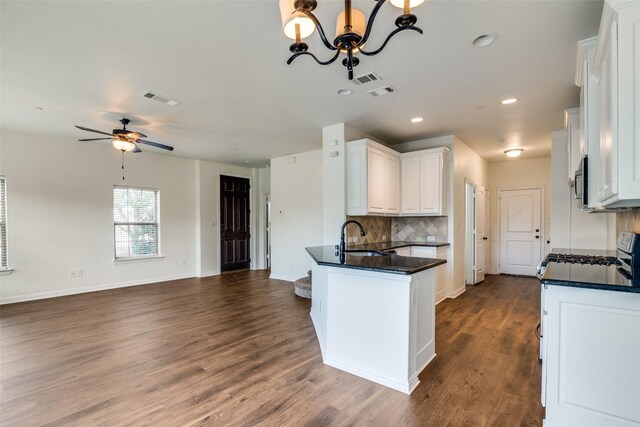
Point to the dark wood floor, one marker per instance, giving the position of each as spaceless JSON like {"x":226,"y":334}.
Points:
{"x":239,"y":349}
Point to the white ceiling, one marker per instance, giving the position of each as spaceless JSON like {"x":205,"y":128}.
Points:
{"x":88,"y":62}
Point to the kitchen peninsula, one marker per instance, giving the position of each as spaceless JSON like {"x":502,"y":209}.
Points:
{"x":374,"y":313}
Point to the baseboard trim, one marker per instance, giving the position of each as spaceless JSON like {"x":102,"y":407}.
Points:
{"x":209,"y":273}
{"x":457,"y":293}
{"x":103,"y":287}
{"x":404,"y":387}
{"x":285,"y":278}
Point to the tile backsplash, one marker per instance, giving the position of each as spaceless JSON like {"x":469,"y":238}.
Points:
{"x":414,"y":229}
{"x":417,"y":229}
{"x":628,"y":221}
{"x":378,"y":229}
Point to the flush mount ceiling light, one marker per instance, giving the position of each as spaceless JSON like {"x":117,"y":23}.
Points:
{"x":299,"y":22}
{"x":417,"y":120}
{"x":514,"y":152}
{"x":509,"y":101}
{"x":484,"y":40}
{"x":345,"y":92}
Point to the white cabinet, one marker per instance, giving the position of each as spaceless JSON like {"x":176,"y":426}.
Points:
{"x":572,"y":126}
{"x":590,"y":346}
{"x":617,"y":68}
{"x":424,"y":182}
{"x":373,"y":179}
{"x":440,"y":252}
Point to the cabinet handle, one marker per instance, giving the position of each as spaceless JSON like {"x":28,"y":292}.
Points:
{"x":537,"y":237}
{"x":484,"y":238}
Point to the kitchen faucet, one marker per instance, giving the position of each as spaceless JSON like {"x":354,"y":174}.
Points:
{"x":342,"y":247}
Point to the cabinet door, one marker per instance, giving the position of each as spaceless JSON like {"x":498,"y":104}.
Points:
{"x":393,"y":185}
{"x":377,"y":179}
{"x":430,"y":184}
{"x":411,"y":186}
{"x":608,"y":116}
{"x":423,"y":251}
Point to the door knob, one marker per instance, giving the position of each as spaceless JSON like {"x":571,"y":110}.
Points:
{"x":484,"y":238}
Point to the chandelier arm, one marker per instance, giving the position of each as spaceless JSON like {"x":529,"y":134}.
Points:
{"x":372,"y":17}
{"x":330,"y":61}
{"x":393,"y":33}
{"x":323,"y":37}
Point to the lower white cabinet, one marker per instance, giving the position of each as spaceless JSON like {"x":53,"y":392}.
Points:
{"x":440,"y":252}
{"x":590,"y":349}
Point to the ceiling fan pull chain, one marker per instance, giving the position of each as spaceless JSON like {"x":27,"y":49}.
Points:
{"x":122,"y":151}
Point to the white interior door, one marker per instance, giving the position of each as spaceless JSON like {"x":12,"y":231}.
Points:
{"x":481,"y":234}
{"x":520,"y":233}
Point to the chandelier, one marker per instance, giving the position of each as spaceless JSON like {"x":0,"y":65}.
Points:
{"x":299,"y":22}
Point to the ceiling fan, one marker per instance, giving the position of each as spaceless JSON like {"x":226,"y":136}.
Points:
{"x":124,"y":139}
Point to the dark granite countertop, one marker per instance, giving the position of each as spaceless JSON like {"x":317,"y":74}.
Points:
{"x":396,"y":264}
{"x":608,"y":278}
{"x":395,"y":244}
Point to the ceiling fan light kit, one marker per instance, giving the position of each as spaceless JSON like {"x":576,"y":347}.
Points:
{"x":299,"y":22}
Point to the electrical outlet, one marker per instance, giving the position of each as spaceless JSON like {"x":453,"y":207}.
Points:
{"x":78,"y":272}
{"x":431,"y":238}
{"x":72,"y":273}
{"x":183,"y":262}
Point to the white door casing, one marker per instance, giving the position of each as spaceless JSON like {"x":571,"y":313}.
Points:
{"x":481,"y":234}
{"x":520,"y":231}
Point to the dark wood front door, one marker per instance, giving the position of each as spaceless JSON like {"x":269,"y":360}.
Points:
{"x":234,"y":223}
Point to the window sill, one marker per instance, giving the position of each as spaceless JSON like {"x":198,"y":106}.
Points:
{"x":130,"y":260}
{"x":6,"y":271}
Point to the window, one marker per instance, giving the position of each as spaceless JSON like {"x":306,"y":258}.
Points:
{"x":3,"y":225}
{"x":135,"y":222}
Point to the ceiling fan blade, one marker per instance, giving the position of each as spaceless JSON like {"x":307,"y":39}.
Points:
{"x":155,"y":144}
{"x":93,"y":139}
{"x":93,"y":130}
{"x":136,"y":150}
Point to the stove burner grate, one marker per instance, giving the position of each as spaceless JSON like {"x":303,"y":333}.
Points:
{"x":583,"y":259}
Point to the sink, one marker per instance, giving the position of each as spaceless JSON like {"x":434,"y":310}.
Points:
{"x":365,"y":253}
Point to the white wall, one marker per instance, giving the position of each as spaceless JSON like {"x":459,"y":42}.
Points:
{"x":60,"y":215}
{"x":334,"y":182}
{"x":513,"y":174}
{"x":467,"y":165}
{"x":296,"y":207}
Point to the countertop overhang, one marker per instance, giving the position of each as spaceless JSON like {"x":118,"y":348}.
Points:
{"x":389,"y":263}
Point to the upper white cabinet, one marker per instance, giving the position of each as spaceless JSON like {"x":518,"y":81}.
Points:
{"x":617,"y":70}
{"x":424,"y":178}
{"x":572,"y":126}
{"x":373,"y":179}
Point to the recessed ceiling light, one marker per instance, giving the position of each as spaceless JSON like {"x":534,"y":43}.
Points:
{"x":514,"y":152}
{"x":417,"y":120}
{"x":39,"y":108}
{"x":247,"y":161}
{"x":345,"y":92}
{"x":509,"y":101}
{"x":484,"y":40}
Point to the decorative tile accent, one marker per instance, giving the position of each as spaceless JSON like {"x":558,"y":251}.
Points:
{"x":417,"y":229}
{"x":378,"y":229}
{"x":628,"y":221}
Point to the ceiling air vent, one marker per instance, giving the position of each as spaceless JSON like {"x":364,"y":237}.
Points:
{"x":381,"y":91}
{"x":161,"y":98}
{"x":366,"y":78}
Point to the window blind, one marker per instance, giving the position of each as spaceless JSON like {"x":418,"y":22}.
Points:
{"x":135,"y":221}
{"x":3,"y":224}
